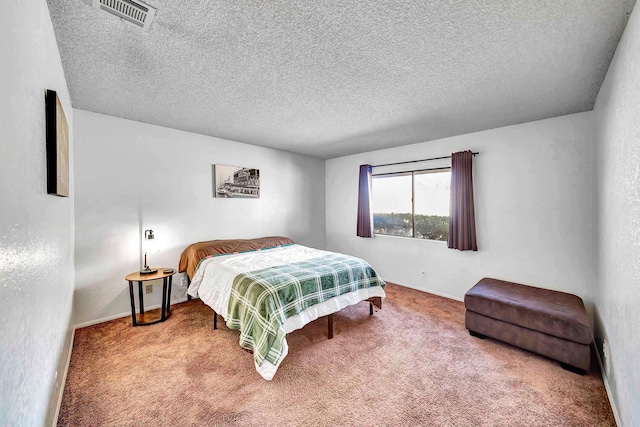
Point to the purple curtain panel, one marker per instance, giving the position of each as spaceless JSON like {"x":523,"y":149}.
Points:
{"x":462,"y":219}
{"x":365,"y":218}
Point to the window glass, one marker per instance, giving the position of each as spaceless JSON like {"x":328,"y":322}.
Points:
{"x":432,"y":192}
{"x":391,"y":205}
{"x":412,"y":204}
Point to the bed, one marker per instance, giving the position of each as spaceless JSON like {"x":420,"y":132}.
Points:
{"x":271,"y":286}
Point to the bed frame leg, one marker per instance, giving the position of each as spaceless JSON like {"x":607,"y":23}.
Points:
{"x":370,"y":308}
{"x":215,"y":320}
{"x":188,"y":284}
{"x":330,"y":326}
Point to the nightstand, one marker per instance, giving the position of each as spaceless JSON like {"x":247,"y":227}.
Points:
{"x":159,"y":314}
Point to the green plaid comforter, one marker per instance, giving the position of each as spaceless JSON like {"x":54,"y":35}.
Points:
{"x":262,"y":300}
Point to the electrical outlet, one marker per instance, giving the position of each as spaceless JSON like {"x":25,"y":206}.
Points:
{"x":149,"y":289}
{"x":423,"y":274}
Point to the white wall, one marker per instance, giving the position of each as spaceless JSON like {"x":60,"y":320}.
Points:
{"x":36,"y":229}
{"x":617,"y":118}
{"x":132,"y":176}
{"x":534,"y":211}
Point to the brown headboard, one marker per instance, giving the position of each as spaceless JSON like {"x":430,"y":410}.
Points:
{"x":196,"y":252}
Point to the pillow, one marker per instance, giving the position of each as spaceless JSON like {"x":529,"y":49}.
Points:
{"x":196,"y":252}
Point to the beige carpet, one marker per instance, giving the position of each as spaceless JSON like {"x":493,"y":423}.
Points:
{"x":411,"y":363}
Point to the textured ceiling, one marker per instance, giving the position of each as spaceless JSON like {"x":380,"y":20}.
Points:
{"x":333,"y":77}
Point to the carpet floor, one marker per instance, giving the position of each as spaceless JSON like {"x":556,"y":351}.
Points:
{"x":411,"y":363}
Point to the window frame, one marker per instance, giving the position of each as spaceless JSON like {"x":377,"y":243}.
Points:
{"x":413,"y":197}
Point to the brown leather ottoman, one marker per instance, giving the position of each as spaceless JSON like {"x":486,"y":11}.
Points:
{"x":550,"y":323}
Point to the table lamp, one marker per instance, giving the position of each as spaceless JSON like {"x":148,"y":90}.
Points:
{"x":148,"y":235}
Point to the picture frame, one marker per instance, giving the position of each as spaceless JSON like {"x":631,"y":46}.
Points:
{"x":232,"y":182}
{"x":57,"y":140}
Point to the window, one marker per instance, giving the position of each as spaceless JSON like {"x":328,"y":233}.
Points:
{"x":391,"y":204}
{"x":412,"y":204}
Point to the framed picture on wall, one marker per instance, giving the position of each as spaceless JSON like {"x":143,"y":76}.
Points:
{"x":235,"y":182}
{"x":57,"y":137}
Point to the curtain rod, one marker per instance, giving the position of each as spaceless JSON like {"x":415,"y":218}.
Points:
{"x":409,"y":172}
{"x":415,"y":161}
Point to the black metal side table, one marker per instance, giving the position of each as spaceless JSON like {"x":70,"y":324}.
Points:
{"x":159,"y":314}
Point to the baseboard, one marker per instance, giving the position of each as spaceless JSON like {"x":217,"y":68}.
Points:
{"x":112,"y":317}
{"x":63,"y":380}
{"x":605,"y":380}
{"x":55,"y":399}
{"x":440,"y":294}
{"x":121,"y":315}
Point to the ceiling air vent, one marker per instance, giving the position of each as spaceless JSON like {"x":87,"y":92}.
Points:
{"x":132,"y":11}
